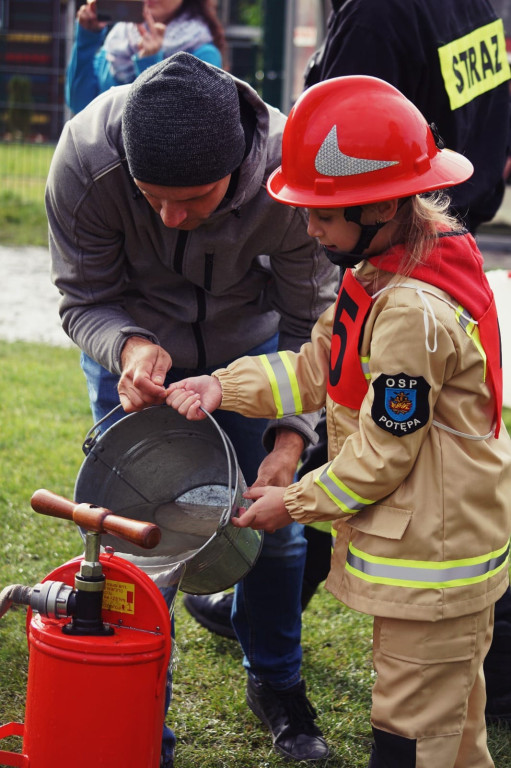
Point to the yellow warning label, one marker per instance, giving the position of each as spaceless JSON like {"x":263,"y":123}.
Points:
{"x":119,"y":596}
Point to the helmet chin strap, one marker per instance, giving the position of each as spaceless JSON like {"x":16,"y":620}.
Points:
{"x":342,"y":259}
{"x":367,"y":231}
{"x":348,"y":259}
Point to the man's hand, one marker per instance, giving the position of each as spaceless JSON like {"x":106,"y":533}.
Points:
{"x":188,"y":395}
{"x":268,"y":511}
{"x":279,"y":466}
{"x":144,"y":367}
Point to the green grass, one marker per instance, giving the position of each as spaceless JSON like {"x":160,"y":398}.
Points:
{"x":23,"y":171}
{"x":44,"y":416}
{"x":18,"y":216}
{"x":24,"y":167}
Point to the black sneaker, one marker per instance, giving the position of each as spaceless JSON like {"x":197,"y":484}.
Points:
{"x":212,"y":612}
{"x":290,"y":717}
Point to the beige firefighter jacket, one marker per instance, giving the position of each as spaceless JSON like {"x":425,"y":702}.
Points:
{"x":422,"y":511}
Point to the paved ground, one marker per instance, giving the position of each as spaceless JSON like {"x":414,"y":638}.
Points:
{"x":28,"y":300}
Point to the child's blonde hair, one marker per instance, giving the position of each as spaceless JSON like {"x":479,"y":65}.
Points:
{"x":422,"y":219}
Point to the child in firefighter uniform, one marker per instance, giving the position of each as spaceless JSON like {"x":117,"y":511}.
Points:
{"x":407,"y":362}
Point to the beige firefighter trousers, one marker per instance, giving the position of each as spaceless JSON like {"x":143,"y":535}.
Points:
{"x":430,"y":687}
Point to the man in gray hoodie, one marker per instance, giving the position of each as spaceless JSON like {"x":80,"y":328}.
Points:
{"x":172,"y":260}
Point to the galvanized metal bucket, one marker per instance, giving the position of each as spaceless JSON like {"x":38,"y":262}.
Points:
{"x":157,"y":466}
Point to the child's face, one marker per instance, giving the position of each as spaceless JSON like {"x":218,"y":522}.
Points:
{"x":332,"y":230}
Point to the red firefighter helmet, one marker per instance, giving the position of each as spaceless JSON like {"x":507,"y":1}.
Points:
{"x":355,"y":140}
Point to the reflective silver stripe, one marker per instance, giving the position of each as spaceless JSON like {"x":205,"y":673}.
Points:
{"x":426,"y":574}
{"x":285,"y":386}
{"x":346,"y":499}
{"x":364,"y":362}
{"x":465,"y":320}
{"x":471,"y":328}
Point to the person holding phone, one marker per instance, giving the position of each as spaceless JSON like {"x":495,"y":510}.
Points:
{"x":104,"y":55}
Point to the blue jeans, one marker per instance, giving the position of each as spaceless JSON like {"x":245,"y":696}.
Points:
{"x":267,"y":602}
{"x":267,"y":620}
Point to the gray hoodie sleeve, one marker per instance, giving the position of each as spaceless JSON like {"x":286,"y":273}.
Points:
{"x":88,"y":266}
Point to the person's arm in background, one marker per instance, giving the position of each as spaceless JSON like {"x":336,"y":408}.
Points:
{"x":208,"y":53}
{"x":81,"y":85}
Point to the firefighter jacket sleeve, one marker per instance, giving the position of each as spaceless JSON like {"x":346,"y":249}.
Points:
{"x":254,"y":387}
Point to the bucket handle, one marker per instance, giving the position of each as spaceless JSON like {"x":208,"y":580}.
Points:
{"x":91,"y":437}
{"x":230,"y":454}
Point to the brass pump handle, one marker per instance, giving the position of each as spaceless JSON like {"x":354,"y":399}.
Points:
{"x":96,"y":519}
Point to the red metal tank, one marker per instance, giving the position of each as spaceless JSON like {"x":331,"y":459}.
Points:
{"x":98,"y":700}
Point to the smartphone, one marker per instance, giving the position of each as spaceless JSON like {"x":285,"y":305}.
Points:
{"x":120,"y":10}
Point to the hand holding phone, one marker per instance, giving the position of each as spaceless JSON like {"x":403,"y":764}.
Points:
{"x":87,"y":17}
{"x":111,"y":11}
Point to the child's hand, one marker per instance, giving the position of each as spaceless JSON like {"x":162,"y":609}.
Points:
{"x":267,"y":513}
{"x":188,"y":395}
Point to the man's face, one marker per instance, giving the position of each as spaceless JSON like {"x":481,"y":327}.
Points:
{"x":184,"y":207}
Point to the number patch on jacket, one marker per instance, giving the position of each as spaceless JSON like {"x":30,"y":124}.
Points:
{"x":401,"y":404}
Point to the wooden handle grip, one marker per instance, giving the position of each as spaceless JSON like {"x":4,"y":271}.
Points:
{"x":98,"y":519}
{"x":48,"y":503}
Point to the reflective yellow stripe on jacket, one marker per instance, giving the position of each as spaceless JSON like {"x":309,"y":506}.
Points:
{"x":470,"y":327}
{"x":420,"y":574}
{"x":347,"y":500}
{"x":364,"y":362}
{"x":283,"y":382}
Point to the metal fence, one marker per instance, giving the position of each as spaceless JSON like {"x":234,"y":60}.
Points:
{"x":23,"y":169}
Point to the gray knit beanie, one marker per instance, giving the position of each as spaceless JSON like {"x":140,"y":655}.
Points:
{"x":181,"y":124}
